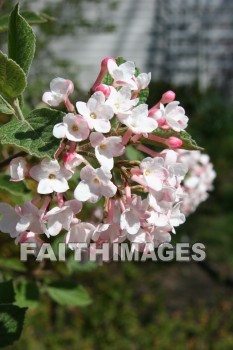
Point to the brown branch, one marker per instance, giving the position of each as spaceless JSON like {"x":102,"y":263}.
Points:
{"x":215,"y":274}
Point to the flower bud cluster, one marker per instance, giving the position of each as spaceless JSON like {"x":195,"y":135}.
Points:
{"x":141,"y":201}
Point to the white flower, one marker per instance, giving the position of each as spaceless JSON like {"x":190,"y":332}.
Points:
{"x":176,"y":218}
{"x":60,"y":90}
{"x":106,"y":148}
{"x":96,"y":112}
{"x":138,"y":120}
{"x":161,"y":235}
{"x":154,"y":172}
{"x":8,"y":219}
{"x":18,"y":169}
{"x":120,"y":100}
{"x":143,"y":80}
{"x":177,"y":170}
{"x":123,"y":74}
{"x":173,"y":114}
{"x":107,"y":233}
{"x":30,"y":237}
{"x":80,"y":232}
{"x":51,"y":177}
{"x":199,"y":180}
{"x":30,"y":218}
{"x":61,"y":218}
{"x":20,"y":219}
{"x":133,"y":214}
{"x":161,"y":201}
{"x":95,"y":183}
{"x":74,"y":128}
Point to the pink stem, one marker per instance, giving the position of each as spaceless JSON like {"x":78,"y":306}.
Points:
{"x":135,"y":94}
{"x":60,"y":150}
{"x":69,"y":105}
{"x":136,"y":137}
{"x":139,"y":180}
{"x":126,"y":137}
{"x":72,"y":147}
{"x":158,"y":139}
{"x":110,"y":210}
{"x":99,"y":78}
{"x":45,"y":205}
{"x":60,"y":200}
{"x":136,"y":171}
{"x":36,"y":200}
{"x":128,"y":193}
{"x":122,"y":205}
{"x":147,"y":150}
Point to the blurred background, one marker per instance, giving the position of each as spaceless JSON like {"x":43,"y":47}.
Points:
{"x":188,"y":48}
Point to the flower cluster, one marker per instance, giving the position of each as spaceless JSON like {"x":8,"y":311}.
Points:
{"x":141,"y":200}
{"x":199,"y":180}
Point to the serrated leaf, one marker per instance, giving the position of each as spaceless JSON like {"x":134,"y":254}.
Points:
{"x":107,"y":80}
{"x":12,"y":77}
{"x":68,"y":294}
{"x":12,"y":264}
{"x":14,"y":188}
{"x":26,"y":293}
{"x":7,"y":294}
{"x":188,"y":142}
{"x":11,"y":323}
{"x":35,"y":134}
{"x":5,"y":108}
{"x":21,"y":40}
{"x":120,"y":60}
{"x":143,"y":96}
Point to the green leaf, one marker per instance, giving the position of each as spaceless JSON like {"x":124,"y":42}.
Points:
{"x":11,"y":323}
{"x":21,"y":40}
{"x":30,"y":16}
{"x":68,"y":294}
{"x":108,"y":80}
{"x":133,"y":154}
{"x":14,"y":188}
{"x":143,"y":96}
{"x":120,"y":60}
{"x":12,"y":77}
{"x":188,"y":142}
{"x":7,"y":294}
{"x":26,"y":293}
{"x":73,"y":265}
{"x":36,"y":18}
{"x":12,"y":264}
{"x":35,"y":134}
{"x":5,"y":107}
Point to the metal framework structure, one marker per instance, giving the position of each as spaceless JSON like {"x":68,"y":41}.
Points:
{"x":192,"y":40}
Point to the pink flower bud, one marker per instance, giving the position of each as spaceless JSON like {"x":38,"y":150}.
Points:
{"x":168,"y":97}
{"x":174,"y":142}
{"x":105,"y":89}
{"x":104,"y":63}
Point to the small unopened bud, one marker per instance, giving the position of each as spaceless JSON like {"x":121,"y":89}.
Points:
{"x":168,"y":96}
{"x":104,"y":63}
{"x":174,"y":142}
{"x":105,"y":89}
